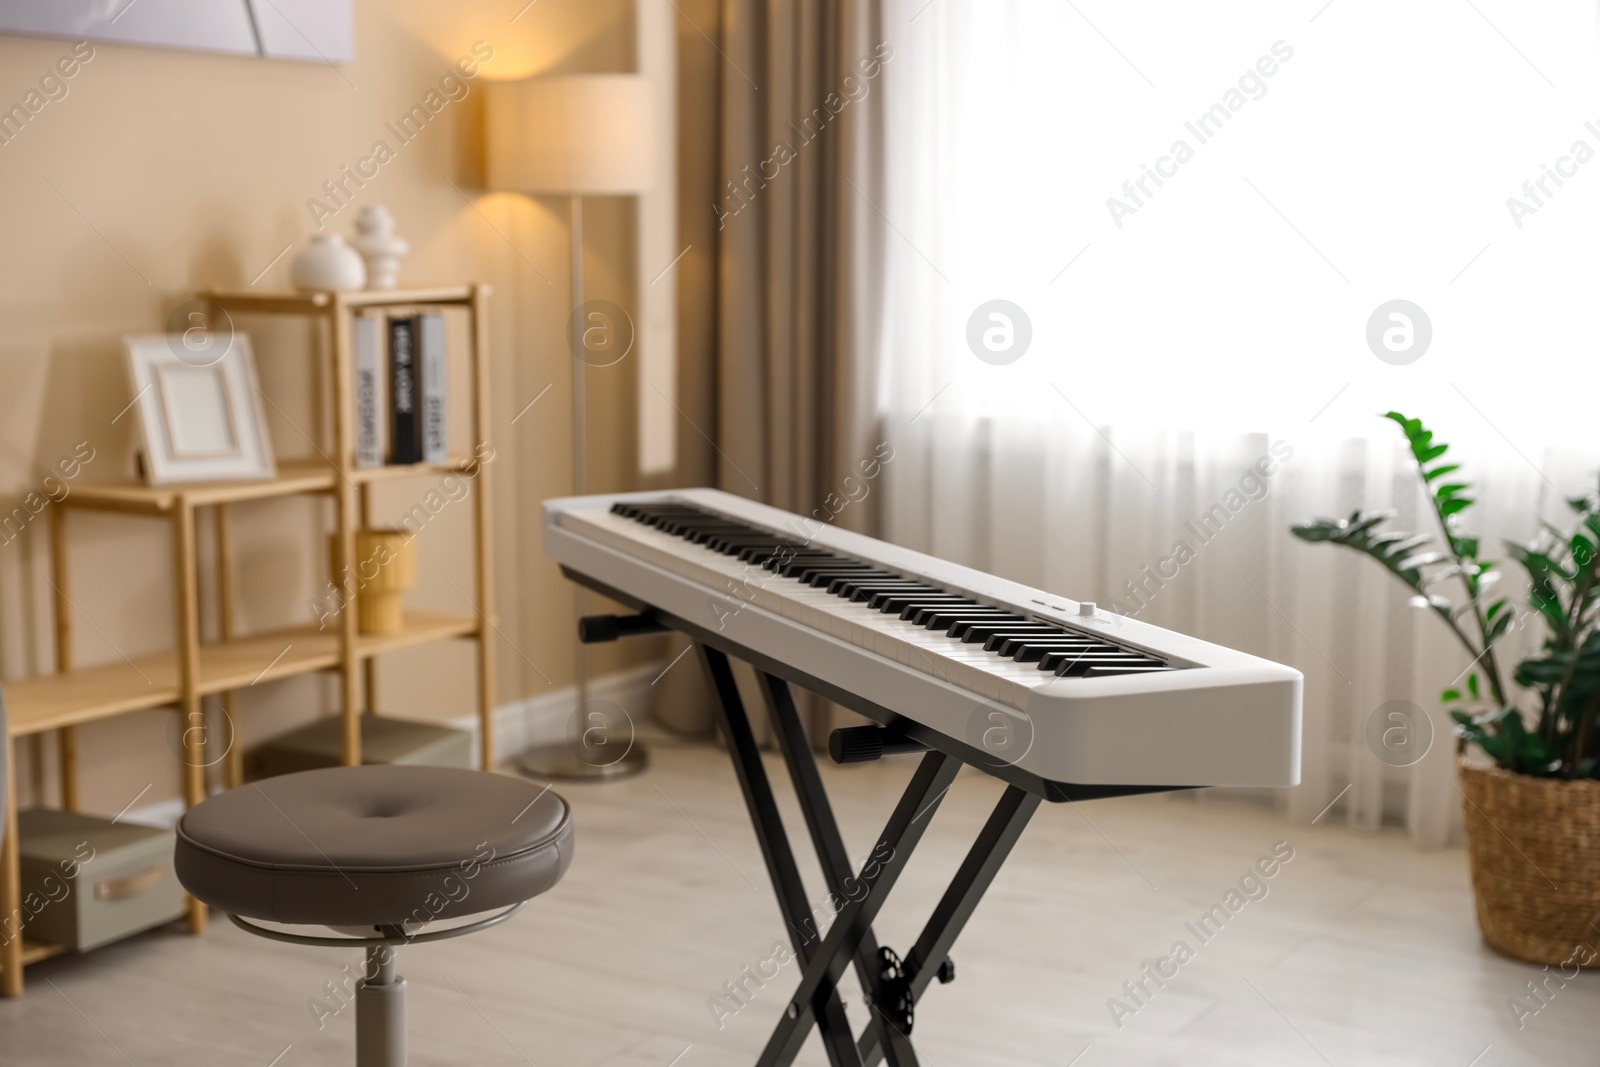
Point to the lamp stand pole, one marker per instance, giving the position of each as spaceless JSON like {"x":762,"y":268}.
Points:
{"x":576,"y":758}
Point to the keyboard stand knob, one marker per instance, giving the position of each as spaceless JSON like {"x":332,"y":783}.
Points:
{"x":1086,"y":609}
{"x":599,"y":629}
{"x":863,"y":744}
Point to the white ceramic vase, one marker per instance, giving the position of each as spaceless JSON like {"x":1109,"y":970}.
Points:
{"x":379,"y":247}
{"x":327,"y":262}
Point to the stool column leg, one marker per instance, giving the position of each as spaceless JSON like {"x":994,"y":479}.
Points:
{"x":381,"y":1012}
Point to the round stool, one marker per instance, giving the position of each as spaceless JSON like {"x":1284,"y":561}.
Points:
{"x":384,"y":852}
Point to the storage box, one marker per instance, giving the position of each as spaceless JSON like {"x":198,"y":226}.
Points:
{"x":87,"y":881}
{"x":383,"y":740}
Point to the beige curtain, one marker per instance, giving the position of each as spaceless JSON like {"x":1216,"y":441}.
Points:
{"x":799,"y":247}
{"x":799,"y":255}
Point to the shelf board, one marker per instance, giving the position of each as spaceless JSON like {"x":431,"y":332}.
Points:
{"x":51,"y":701}
{"x":34,"y":951}
{"x":294,"y":477}
{"x":323,"y":300}
{"x":456,"y":464}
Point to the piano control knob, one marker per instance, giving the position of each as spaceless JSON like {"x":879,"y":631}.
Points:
{"x":1086,"y":609}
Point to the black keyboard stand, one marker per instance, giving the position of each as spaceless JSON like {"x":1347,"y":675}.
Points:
{"x":891,"y":985}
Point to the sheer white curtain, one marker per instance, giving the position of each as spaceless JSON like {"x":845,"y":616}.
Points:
{"x":1333,"y":158}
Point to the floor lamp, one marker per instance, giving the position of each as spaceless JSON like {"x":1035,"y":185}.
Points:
{"x":575,"y":135}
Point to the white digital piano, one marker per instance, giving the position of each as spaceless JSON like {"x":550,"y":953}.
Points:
{"x":1060,"y":699}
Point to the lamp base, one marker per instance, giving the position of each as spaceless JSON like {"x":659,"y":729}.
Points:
{"x":560,"y":762}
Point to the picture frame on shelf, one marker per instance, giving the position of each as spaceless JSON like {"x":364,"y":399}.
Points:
{"x":199,"y":413}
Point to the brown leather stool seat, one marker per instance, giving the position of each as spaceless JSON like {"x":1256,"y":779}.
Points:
{"x":374,"y":846}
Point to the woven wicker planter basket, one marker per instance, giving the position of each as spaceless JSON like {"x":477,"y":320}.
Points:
{"x":1522,"y":835}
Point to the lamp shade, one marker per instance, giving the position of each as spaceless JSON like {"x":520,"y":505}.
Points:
{"x":584,"y":134}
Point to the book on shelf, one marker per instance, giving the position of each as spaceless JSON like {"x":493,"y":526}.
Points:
{"x":402,"y":372}
{"x":433,"y":371}
{"x":405,"y":441}
{"x":370,"y":422}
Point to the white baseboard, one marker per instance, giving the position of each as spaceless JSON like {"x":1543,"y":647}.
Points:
{"x":541,"y":719}
{"x":547,"y":717}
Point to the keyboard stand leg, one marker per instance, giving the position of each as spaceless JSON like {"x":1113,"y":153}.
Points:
{"x":1006,"y":823}
{"x":850,"y":938}
{"x":835,"y":863}
{"x":834,"y":1027}
{"x":819,"y":981}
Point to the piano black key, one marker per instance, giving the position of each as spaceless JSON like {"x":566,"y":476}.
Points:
{"x":837,"y":578}
{"x":911,"y":610}
{"x":942,"y":618}
{"x":724,"y":542}
{"x":807,"y":557}
{"x":729,"y":546}
{"x":894,"y":602}
{"x":1054,"y":658}
{"x":962,"y":627}
{"x":1108,"y":672}
{"x":806,"y":568}
{"x":983,"y":632}
{"x":856,"y":589}
{"x":1080,"y":668}
{"x":1033,"y":651}
{"x":849,"y":585}
{"x":677,"y":526}
{"x":823,"y":577}
{"x":806,"y":562}
{"x":864,"y":594}
{"x":656,"y":518}
{"x":997,"y":641}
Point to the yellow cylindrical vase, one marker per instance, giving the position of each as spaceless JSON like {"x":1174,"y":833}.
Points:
{"x":385,"y":566}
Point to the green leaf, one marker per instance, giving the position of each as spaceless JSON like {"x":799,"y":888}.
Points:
{"x":1440,"y":471}
{"x":1455,"y":504}
{"x":1362,"y":533}
{"x":1582,"y":550}
{"x":1498,"y":627}
{"x":1472,"y":684}
{"x":1448,"y":696}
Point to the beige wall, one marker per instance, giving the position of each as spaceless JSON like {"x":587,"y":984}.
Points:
{"x":162,"y":172}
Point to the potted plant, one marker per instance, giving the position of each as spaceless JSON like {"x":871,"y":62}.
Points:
{"x":1532,"y":815}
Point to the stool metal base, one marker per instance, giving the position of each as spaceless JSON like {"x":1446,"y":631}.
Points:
{"x":391,"y":935}
{"x":381,"y":996}
{"x":381,"y":1012}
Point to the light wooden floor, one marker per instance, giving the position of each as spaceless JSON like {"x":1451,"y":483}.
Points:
{"x":1363,"y":952}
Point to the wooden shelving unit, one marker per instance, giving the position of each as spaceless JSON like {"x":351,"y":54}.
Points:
{"x":192,"y":670}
